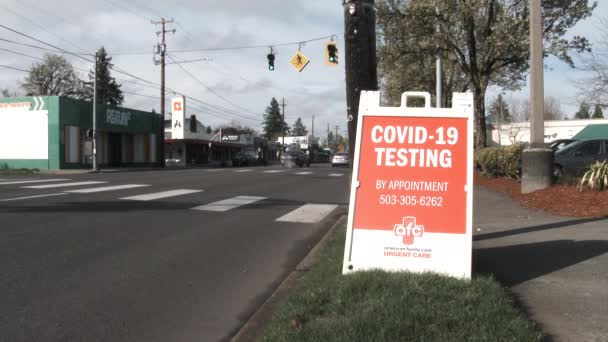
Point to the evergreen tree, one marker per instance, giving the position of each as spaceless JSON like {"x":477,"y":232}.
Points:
{"x":299,"y":129}
{"x":108,"y":91}
{"x":597,"y":112}
{"x":499,"y":111}
{"x":273,"y":124}
{"x":584,"y":111}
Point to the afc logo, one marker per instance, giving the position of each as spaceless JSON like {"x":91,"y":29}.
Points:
{"x":408,"y":229}
{"x":177,"y":106}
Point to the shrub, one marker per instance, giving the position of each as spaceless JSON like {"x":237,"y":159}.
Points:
{"x":596,"y":178}
{"x":502,"y":161}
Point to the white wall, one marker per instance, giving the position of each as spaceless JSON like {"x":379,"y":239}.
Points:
{"x":519,"y":132}
{"x":24,"y":134}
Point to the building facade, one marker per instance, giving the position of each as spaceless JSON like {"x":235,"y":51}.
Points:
{"x":50,"y":132}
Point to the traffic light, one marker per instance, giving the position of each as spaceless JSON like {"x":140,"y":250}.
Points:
{"x":331,"y":53}
{"x":270,"y":61}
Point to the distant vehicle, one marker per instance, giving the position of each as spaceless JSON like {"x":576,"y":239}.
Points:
{"x":245,"y":158}
{"x":291,"y":158}
{"x":558,"y":144}
{"x":578,"y":156}
{"x":340,"y":159}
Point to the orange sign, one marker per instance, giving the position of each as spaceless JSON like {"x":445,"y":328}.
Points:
{"x":411,"y":193}
{"x":412,"y":167}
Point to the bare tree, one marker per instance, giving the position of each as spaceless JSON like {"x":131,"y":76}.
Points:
{"x":595,"y":88}
{"x":553,"y":110}
{"x":54,"y":76}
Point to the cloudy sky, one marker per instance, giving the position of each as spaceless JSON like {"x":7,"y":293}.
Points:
{"x":235,"y":82}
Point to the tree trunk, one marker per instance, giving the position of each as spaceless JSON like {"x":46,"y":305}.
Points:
{"x":479,"y":95}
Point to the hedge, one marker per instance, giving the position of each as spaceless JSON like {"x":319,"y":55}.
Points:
{"x":504,"y":161}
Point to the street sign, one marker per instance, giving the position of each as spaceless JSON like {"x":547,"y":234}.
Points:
{"x":299,"y":61}
{"x":178,"y":115}
{"x":411,"y":193}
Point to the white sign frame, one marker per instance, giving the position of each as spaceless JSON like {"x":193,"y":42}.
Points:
{"x":178,"y":118}
{"x":458,"y":264}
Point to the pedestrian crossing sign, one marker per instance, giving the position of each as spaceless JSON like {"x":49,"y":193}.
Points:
{"x":299,"y":61}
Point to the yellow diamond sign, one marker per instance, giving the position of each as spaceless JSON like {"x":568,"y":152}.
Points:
{"x":299,"y":61}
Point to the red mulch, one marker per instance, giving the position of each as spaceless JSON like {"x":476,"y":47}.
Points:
{"x":561,"y":200}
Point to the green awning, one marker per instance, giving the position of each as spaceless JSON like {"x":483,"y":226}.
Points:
{"x":599,"y":131}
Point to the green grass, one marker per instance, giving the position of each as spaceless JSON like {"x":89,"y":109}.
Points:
{"x":381,"y":306}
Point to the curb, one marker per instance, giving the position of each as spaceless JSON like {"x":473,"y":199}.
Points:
{"x":257,"y":322}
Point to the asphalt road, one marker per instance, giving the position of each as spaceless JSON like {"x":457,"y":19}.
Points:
{"x":180,"y":255}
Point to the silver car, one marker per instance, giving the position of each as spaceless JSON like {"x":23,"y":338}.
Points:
{"x":340,"y":159}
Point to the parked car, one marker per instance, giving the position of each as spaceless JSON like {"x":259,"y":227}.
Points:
{"x":578,"y":156}
{"x":291,"y":158}
{"x":245,"y":158}
{"x":340,"y":159}
{"x":558,"y":144}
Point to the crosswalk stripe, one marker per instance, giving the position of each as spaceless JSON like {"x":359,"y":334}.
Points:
{"x":243,"y":170}
{"x":29,"y":197}
{"x":60,"y":185}
{"x":107,"y":188}
{"x":34,"y":181}
{"x":336,"y":174}
{"x":303,"y":173}
{"x":162,"y":194}
{"x":229,"y":204}
{"x":274,"y":171}
{"x":308,"y":213}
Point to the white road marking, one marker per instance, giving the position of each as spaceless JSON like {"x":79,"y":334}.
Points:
{"x":28,"y":197}
{"x":34,"y":181}
{"x":308,"y":213}
{"x":107,"y":188}
{"x":229,"y":204}
{"x":214,"y":170}
{"x":274,"y":171}
{"x":304,"y":173}
{"x":336,"y":174}
{"x":244,"y":170}
{"x":48,"y":186}
{"x":163,"y":194}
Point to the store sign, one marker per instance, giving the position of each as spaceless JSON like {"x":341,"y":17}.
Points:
{"x":19,"y":106}
{"x":118,"y":118}
{"x":230,"y":138}
{"x":411,"y":193}
{"x":178,"y":110}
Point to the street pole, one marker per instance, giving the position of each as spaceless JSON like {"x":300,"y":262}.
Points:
{"x":163,"y":50}
{"x":438,"y":92}
{"x":336,"y":138}
{"x":360,"y":61}
{"x":95,"y":113}
{"x":282,"y":129}
{"x":537,"y":160}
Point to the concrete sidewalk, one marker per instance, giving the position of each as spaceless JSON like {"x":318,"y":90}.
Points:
{"x":556,"y":267}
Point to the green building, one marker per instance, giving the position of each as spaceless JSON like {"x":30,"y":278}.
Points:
{"x":50,"y":132}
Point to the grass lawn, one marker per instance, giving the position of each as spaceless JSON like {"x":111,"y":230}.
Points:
{"x":380,"y":306}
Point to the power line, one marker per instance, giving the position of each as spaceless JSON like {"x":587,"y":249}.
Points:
{"x":245,"y":47}
{"x":44,"y":29}
{"x":13,"y":68}
{"x":32,"y":46}
{"x":211,"y":90}
{"x":40,"y":41}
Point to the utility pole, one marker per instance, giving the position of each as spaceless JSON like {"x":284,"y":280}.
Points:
{"x":537,"y":160}
{"x":282,"y":129}
{"x":163,"y":50}
{"x":438,"y":83}
{"x":361,"y":64}
{"x":313,"y":126}
{"x":94,"y":143}
{"x":336,"y":138}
